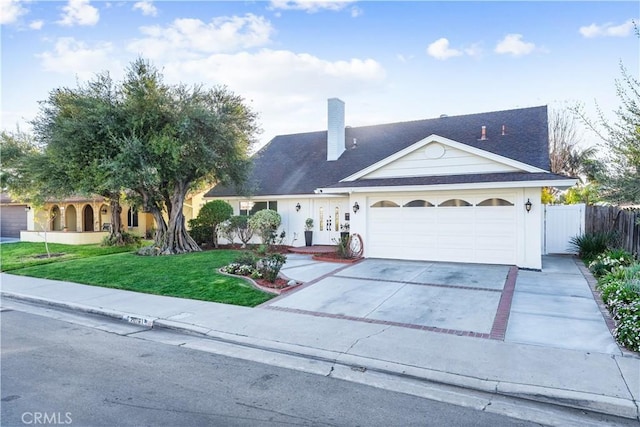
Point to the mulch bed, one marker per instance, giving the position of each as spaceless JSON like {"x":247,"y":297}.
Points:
{"x":334,"y":257}
{"x":42,"y":256}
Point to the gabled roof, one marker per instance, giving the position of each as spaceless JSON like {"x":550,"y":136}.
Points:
{"x":296,"y":164}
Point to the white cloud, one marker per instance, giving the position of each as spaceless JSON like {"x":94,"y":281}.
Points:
{"x":512,"y":44}
{"x":10,"y":11}
{"x":36,"y":25}
{"x":440,"y":49}
{"x":310,"y":6}
{"x":79,"y":12}
{"x":71,"y":56}
{"x":186,"y":37}
{"x":146,"y":7}
{"x":607,"y":30}
{"x":356,"y":11}
{"x":475,"y":50}
{"x":282,"y":83}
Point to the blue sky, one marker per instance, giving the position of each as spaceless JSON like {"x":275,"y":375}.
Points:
{"x":388,"y":60}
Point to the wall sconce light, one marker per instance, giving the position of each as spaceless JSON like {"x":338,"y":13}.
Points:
{"x":356,"y":207}
{"x":27,"y":208}
{"x":103,"y":210}
{"x":528,"y":205}
{"x":298,"y":207}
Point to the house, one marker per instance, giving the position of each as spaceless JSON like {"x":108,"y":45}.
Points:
{"x":13,"y":216}
{"x":454,"y":188}
{"x":85,"y":220}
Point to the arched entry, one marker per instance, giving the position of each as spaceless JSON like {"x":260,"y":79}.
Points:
{"x":56,"y":218}
{"x":70,"y":218}
{"x":87,"y":218}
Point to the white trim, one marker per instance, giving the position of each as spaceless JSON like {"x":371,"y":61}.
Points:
{"x":317,"y":195}
{"x":445,"y":141}
{"x":460,"y":186}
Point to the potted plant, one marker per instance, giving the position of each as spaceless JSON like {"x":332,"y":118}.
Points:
{"x":344,"y":231}
{"x":308,"y":231}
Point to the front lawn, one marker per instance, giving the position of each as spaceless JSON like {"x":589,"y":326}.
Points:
{"x":193,"y":276}
{"x":25,"y":254}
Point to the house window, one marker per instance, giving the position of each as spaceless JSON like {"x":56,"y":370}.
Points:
{"x":455,"y":202}
{"x":385,"y":204}
{"x":495,"y":202}
{"x":418,"y":204}
{"x":250,"y":208}
{"x":132,"y":218}
{"x":337,"y":219}
{"x":321,"y":222}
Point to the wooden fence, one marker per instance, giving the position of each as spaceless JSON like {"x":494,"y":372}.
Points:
{"x":625,"y":222}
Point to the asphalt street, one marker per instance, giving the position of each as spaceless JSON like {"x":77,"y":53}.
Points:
{"x":70,"y":374}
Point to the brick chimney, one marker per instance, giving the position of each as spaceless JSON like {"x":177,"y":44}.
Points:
{"x":335,"y":129}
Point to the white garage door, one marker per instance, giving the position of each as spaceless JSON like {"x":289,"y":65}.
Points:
{"x":453,"y":227}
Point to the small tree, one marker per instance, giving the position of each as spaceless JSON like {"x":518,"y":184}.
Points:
{"x":266,"y":222}
{"x":212,"y":215}
{"x":243,"y":228}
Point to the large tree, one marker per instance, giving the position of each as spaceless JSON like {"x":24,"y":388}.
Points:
{"x":75,"y":128}
{"x":565,"y":154}
{"x":620,"y":179}
{"x":149,"y":140}
{"x":175,"y":138}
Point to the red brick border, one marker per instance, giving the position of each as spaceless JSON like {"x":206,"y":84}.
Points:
{"x":498,"y":329}
{"x":382,"y":322}
{"x":501,"y":320}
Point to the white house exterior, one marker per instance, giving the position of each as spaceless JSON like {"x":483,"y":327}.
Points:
{"x":446,"y":189}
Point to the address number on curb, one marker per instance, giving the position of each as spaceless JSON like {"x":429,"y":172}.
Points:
{"x":140,"y":321}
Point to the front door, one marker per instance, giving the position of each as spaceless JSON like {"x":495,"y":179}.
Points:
{"x":330,"y":215}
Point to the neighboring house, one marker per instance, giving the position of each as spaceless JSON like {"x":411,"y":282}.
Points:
{"x":83,"y":220}
{"x":13,"y":216}
{"x":445,"y":189}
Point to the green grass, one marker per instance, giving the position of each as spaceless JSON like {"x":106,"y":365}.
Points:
{"x":25,"y":254}
{"x":191,"y":276}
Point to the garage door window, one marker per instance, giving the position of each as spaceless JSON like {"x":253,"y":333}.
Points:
{"x":455,"y":202}
{"x":385,"y":204}
{"x":495,"y":202}
{"x":418,"y":204}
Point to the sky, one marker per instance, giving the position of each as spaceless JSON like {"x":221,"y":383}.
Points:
{"x":389,"y":61}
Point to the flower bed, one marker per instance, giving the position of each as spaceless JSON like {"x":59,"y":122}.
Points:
{"x":618,"y":275}
{"x":263,"y":273}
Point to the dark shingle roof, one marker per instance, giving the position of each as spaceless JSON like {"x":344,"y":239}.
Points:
{"x":296,"y":164}
{"x":451,"y":179}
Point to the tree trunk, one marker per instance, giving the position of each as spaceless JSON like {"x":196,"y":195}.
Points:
{"x":161,"y":227}
{"x":115,"y":234}
{"x":178,"y":240}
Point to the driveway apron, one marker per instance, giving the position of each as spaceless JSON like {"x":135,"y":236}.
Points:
{"x":553,"y":307}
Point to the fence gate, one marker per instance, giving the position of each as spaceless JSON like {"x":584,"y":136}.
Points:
{"x":561,"y":223}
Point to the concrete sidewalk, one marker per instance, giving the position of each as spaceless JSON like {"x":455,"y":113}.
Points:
{"x":598,"y":382}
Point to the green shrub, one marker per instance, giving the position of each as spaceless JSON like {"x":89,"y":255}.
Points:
{"x":128,"y":239}
{"x":211,"y":215}
{"x":610,"y":260}
{"x":270,"y":266}
{"x":200,"y":233}
{"x":589,"y":246}
{"x":627,"y":331}
{"x":246,"y":258}
{"x":265,"y":223}
{"x":621,"y":293}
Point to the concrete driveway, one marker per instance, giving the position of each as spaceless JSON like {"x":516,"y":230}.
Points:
{"x":554,"y":307}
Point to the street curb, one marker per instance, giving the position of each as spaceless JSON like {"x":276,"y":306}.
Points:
{"x":608,"y":405}
{"x":114,"y":314}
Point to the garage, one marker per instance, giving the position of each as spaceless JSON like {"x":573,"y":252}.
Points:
{"x":13,"y":218}
{"x":459,"y":227}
